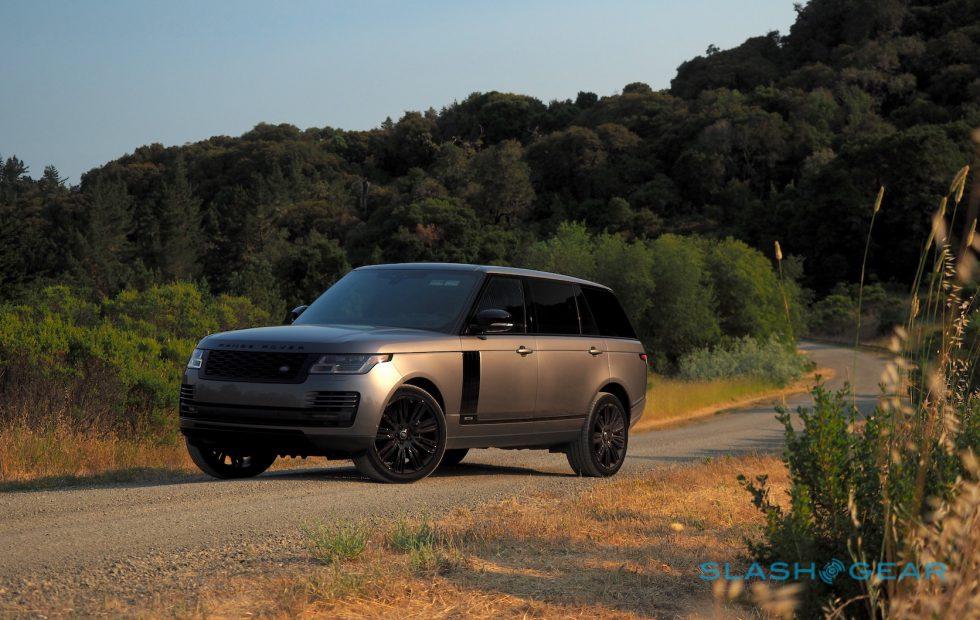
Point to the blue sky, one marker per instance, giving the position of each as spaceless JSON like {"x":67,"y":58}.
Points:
{"x":85,"y":82}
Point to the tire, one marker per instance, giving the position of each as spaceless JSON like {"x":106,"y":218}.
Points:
{"x":452,"y":458}
{"x":600,"y":449}
{"x":229,"y":464}
{"x":411,"y":438}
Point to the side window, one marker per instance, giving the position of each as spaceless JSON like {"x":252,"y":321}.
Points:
{"x":554,"y":307}
{"x":609,"y":315}
{"x":505,"y":294}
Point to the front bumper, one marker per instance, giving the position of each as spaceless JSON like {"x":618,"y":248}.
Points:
{"x":284,"y":418}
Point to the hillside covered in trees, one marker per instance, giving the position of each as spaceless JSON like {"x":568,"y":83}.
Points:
{"x":784,"y":137}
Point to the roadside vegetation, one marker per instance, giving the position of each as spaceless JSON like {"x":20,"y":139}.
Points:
{"x":623,"y":548}
{"x":672,"y":401}
{"x":90,"y":388}
{"x":900,"y":485}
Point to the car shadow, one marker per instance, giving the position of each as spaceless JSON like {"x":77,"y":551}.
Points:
{"x":463,"y":469}
{"x":152,"y":477}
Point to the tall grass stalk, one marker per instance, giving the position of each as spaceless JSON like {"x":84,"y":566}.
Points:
{"x":778,"y":251}
{"x":864,"y":264}
{"x":927,"y":394}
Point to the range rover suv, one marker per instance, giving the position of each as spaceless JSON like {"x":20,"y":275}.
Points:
{"x":405,"y":367}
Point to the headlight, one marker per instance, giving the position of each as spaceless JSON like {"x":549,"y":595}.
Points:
{"x":197,"y":358}
{"x":346,"y":364}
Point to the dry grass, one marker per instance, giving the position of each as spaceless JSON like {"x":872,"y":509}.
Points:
{"x":675,"y":400}
{"x":953,"y":536}
{"x":623,"y":548}
{"x":61,"y":456}
{"x":32,"y":458}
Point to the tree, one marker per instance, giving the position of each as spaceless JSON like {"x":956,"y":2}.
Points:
{"x":746,"y":290}
{"x":683,"y":314}
{"x":104,"y":251}
{"x":181,"y":243}
{"x":565,"y":160}
{"x":502,"y":183}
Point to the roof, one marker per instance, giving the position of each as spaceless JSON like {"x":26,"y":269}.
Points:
{"x":512,"y":271}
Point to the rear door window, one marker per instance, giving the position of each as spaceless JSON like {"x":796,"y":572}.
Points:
{"x":610,"y":318}
{"x":554,"y":307}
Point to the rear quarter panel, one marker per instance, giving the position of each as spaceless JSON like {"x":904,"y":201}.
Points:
{"x":629,"y":370}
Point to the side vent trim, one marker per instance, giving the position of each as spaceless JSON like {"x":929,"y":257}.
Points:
{"x":471,"y":382}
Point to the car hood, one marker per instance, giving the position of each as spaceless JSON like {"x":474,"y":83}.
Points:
{"x":332,"y":339}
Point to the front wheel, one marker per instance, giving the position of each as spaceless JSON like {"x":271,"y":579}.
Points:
{"x":600,"y":448}
{"x":228,"y":463}
{"x":411,"y":438}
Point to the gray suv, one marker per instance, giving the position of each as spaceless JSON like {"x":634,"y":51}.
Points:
{"x":405,"y":367}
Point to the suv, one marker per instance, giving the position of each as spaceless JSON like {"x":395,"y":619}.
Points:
{"x":403,"y":367}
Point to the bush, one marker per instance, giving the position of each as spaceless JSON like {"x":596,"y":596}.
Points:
{"x":747,"y":291}
{"x":878,"y":490}
{"x":770,"y":359}
{"x":111,"y":365}
{"x":836,"y":314}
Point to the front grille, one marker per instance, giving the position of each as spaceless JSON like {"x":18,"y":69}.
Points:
{"x":256,"y":366}
{"x":186,"y":392}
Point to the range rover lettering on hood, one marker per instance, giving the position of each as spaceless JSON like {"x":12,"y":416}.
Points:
{"x":266,"y":347}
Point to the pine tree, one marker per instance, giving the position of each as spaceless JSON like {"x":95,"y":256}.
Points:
{"x":179,"y":216}
{"x":104,"y":249}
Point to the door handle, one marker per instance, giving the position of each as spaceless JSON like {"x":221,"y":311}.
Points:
{"x":594,"y":351}
{"x":524,"y":350}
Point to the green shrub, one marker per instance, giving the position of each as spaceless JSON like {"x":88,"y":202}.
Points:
{"x":836,"y":314}
{"x":747,"y":291}
{"x":845,"y":485}
{"x":112,"y":365}
{"x":771,"y":359}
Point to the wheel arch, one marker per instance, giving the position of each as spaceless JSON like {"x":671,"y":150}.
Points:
{"x":617,"y":390}
{"x":429,"y":386}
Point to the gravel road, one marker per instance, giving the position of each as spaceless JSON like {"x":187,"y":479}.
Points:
{"x":66,"y":551}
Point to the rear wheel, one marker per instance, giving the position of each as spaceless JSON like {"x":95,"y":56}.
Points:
{"x":453,"y":457}
{"x":226,"y":463}
{"x":411,"y":438}
{"x":600,"y":448}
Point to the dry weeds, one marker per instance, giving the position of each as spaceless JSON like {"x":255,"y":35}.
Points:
{"x":621,"y":549}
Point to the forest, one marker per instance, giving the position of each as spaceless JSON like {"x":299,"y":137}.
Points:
{"x":784,"y":138}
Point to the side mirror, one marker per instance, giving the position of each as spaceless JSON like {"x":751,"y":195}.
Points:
{"x":494,"y":321}
{"x":294,"y":314}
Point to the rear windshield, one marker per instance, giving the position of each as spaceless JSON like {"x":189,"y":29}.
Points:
{"x":609,"y":316}
{"x":432,"y":300}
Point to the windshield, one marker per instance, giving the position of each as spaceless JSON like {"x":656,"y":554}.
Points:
{"x":412,"y":298}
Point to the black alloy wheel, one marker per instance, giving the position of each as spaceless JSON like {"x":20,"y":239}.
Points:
{"x":226,"y":463}
{"x":600,"y":448}
{"x":609,"y":436}
{"x":411,"y":438}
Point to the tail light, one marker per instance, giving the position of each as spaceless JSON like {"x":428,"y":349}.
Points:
{"x":643,"y":356}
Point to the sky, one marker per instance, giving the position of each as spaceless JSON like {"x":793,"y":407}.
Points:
{"x":82,"y":83}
